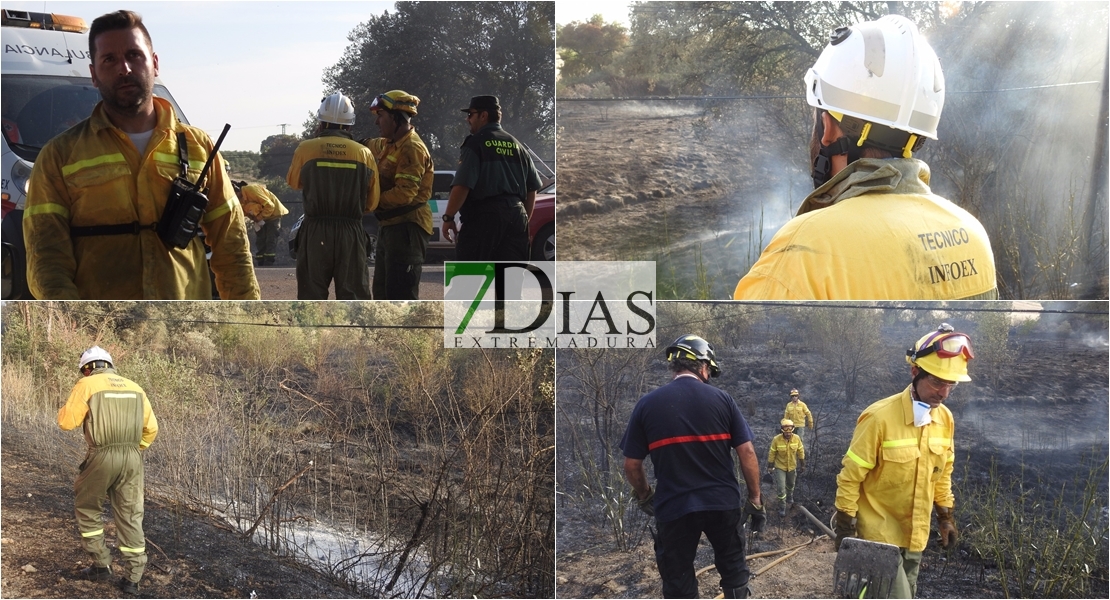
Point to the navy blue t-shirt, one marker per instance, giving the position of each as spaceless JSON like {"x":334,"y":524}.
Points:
{"x":691,"y":430}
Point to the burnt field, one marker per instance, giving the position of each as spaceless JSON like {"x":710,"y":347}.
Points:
{"x":1031,"y":452}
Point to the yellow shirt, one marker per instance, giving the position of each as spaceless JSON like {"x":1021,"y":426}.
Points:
{"x":118,"y":408}
{"x":894,"y":472}
{"x":92,"y":175}
{"x":260,"y":204}
{"x":783,"y":454}
{"x":407,"y":173}
{"x":799,"y":413}
{"x":881,"y":235}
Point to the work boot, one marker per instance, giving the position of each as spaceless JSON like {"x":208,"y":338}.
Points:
{"x":782,"y":510}
{"x":95,"y":573}
{"x":128,"y":587}
{"x":790,"y":499}
{"x":738,"y":592}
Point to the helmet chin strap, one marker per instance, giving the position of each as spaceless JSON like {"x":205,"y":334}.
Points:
{"x":822,"y":163}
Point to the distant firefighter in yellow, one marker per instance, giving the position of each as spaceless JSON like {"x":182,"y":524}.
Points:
{"x":785,"y":459}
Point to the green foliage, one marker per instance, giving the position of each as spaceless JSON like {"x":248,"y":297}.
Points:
{"x":243,"y":164}
{"x":276,"y":156}
{"x":1047,"y":541}
{"x":587,"y":47}
{"x":446,"y":52}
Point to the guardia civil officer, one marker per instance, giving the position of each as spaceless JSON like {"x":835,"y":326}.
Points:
{"x":339,"y":177}
{"x":690,"y":430}
{"x":494,"y":190}
{"x":873,"y":229}
{"x":118,"y":423}
{"x":898,"y":467}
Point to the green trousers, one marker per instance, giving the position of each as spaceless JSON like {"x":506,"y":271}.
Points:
{"x":114,"y":473}
{"x":399,"y":261}
{"x":905,"y":583}
{"x":784,"y":483}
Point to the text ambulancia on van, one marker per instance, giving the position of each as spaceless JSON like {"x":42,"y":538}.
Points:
{"x":46,"y":89}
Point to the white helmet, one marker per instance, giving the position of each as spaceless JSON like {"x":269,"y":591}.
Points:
{"x":337,"y":109}
{"x":883,"y":72}
{"x":94,"y":354}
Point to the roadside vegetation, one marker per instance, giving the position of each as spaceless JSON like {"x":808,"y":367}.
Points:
{"x":343,"y":435}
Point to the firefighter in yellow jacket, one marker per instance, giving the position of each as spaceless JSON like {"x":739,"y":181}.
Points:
{"x":118,"y":423}
{"x":339,"y":177}
{"x":798,"y":413}
{"x":405,"y":217}
{"x":785,"y":459}
{"x":98,"y":189}
{"x":873,"y":229}
{"x":899,"y":464}
{"x":265,"y":211}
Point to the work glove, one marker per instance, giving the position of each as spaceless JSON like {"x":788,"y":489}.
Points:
{"x":801,"y":465}
{"x":646,"y":504}
{"x":757,"y":513}
{"x":844,"y":525}
{"x":946,"y":523}
{"x":770,"y":467}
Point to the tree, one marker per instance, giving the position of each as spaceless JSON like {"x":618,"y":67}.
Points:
{"x":446,"y":52}
{"x":277,"y":155}
{"x":588,"y":47}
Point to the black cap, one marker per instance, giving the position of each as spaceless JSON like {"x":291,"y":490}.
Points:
{"x":486,"y":103}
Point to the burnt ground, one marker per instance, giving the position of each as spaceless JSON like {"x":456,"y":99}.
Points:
{"x":688,"y":186}
{"x":190,"y":555}
{"x":1023,"y":427}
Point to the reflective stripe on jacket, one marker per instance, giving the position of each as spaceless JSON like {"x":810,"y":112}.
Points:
{"x":114,"y":410}
{"x":92,"y":174}
{"x":783,"y":454}
{"x":894,"y":472}
{"x":260,"y":204}
{"x":799,"y":413}
{"x":339,"y":176}
{"x":407,"y":173}
{"x":879,"y":234}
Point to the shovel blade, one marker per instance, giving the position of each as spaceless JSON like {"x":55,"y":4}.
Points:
{"x":865,"y":569}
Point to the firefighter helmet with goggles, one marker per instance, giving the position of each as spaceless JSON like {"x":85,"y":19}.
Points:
{"x":694,"y":348}
{"x":337,"y":109}
{"x":943,"y":354}
{"x":883,"y":72}
{"x":793,"y":392}
{"x":94,"y":354}
{"x":786,"y":425}
{"x":395,"y":100}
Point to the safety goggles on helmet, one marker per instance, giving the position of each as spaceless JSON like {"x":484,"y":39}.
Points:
{"x":384,"y":102}
{"x":946,"y":344}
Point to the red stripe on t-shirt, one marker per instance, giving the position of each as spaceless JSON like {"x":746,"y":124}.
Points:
{"x":684,"y":439}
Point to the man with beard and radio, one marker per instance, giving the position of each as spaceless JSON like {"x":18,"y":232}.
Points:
{"x":99,"y":189}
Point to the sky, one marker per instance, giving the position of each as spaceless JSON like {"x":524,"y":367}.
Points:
{"x":579,"y":10}
{"x":253,"y":65}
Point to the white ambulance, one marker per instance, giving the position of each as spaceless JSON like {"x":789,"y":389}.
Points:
{"x":46,"y":89}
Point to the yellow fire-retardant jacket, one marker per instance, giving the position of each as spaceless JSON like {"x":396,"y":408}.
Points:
{"x":117,"y":410}
{"x":260,"y":204}
{"x":799,"y":413}
{"x":93,"y":175}
{"x":783,"y":454}
{"x":894,"y":472}
{"x":879,"y":234}
{"x":407,"y":173}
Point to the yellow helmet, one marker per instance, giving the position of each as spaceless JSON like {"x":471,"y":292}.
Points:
{"x":395,"y":100}
{"x":793,"y":392}
{"x":786,"y":425}
{"x":943,"y":353}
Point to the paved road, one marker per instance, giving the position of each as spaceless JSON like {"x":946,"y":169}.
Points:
{"x":280,"y":283}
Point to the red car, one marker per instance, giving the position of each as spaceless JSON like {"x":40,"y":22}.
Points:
{"x":541,"y":227}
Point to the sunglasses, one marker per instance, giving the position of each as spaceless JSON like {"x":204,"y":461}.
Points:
{"x":937,"y":382}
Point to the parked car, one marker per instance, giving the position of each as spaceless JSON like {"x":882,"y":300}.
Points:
{"x":541,"y":227}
